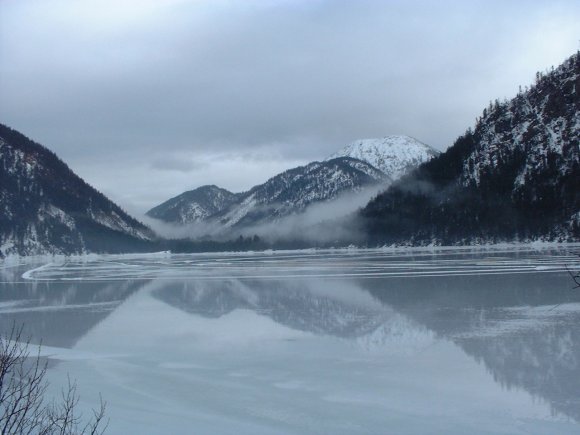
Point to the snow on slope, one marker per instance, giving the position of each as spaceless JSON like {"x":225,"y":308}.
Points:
{"x":294,"y":190}
{"x":394,"y":155}
{"x":46,"y":208}
{"x":514,"y":177}
{"x":194,"y":205}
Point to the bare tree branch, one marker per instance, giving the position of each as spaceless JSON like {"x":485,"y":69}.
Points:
{"x":23,"y":406}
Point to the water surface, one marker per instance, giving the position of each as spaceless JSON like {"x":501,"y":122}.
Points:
{"x":393,"y":341}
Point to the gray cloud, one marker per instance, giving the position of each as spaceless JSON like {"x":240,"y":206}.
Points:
{"x":142,"y":81}
{"x":175,"y":163}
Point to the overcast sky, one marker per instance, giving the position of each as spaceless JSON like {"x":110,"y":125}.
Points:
{"x":145,"y":99}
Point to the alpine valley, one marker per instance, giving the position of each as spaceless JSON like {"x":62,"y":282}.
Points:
{"x":514,"y":177}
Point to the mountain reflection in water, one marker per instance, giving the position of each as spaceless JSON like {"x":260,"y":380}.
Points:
{"x":510,"y":323}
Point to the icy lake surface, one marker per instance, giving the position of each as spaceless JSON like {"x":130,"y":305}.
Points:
{"x":323,"y":342}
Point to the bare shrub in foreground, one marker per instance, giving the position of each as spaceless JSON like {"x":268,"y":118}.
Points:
{"x":24,"y":408}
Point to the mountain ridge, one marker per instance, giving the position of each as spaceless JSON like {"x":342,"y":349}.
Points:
{"x":294,"y":189}
{"x":384,"y":160}
{"x":47,"y":208}
{"x":515,"y":176}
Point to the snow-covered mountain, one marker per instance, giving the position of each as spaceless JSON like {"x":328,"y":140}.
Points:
{"x":46,"y":208}
{"x":194,"y":205}
{"x":394,"y":155}
{"x":515,"y":176}
{"x":359,"y":165}
{"x":292,"y":191}
{"x":285,"y":194}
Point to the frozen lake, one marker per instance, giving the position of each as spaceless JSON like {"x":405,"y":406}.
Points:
{"x":323,"y":342}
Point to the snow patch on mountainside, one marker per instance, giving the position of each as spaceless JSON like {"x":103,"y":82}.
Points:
{"x":539,"y":128}
{"x":240,"y":211}
{"x":393,"y":155}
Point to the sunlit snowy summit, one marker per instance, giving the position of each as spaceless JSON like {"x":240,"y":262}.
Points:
{"x":394,"y":155}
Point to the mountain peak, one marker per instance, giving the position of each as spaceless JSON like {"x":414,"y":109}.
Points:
{"x":394,"y":154}
{"x":194,"y":205}
{"x":46,"y":208}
